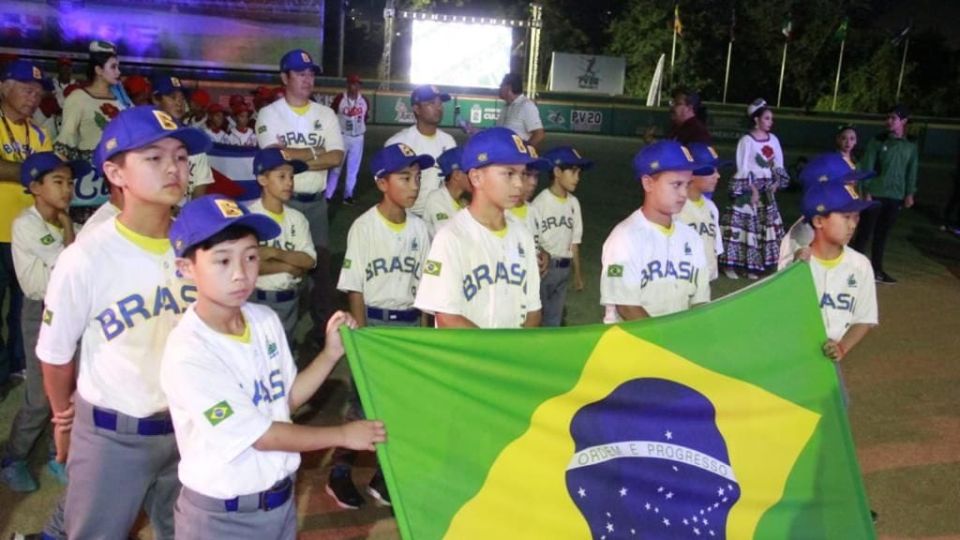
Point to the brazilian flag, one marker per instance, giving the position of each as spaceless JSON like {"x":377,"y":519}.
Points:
{"x":725,"y":421}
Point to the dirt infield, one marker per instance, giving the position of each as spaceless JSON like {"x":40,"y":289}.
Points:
{"x":903,"y":379}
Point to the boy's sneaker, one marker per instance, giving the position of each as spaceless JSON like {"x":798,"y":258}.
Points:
{"x":883,"y":277}
{"x":731,"y":274}
{"x":16,"y":476}
{"x":378,"y":489}
{"x":340,"y":487}
{"x":58,"y":470}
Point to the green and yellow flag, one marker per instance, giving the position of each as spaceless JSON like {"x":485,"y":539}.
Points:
{"x":721,"y":422}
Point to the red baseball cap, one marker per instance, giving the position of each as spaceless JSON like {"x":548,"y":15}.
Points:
{"x":136,"y":85}
{"x":200,"y":97}
{"x":215,"y":108}
{"x":353,"y":78}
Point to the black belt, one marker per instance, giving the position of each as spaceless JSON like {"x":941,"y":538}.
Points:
{"x":307,"y":197}
{"x":276,"y":296}
{"x":561,"y":262}
{"x":390,"y":315}
{"x":110,"y":420}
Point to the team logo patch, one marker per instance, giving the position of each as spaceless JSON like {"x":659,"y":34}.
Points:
{"x":262,"y":129}
{"x":615,"y":270}
{"x":520,"y":249}
{"x":482,"y":157}
{"x":432,"y":268}
{"x":47,"y":317}
{"x":111,"y":144}
{"x":346,"y":264}
{"x":34,"y":172}
{"x":229,"y":208}
{"x":414,"y":245}
{"x":853,"y":192}
{"x":317,"y":125}
{"x":686,"y":249}
{"x":218,"y":413}
{"x":851,"y":281}
{"x":442,"y":216}
{"x":823,"y":179}
{"x":654,"y":165}
{"x":272,"y":349}
{"x":687,"y":154}
{"x":48,"y":239}
{"x":165,"y":120}
{"x":406,"y":150}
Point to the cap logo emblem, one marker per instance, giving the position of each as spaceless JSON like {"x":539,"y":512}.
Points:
{"x":823,"y":178}
{"x":111,"y":144}
{"x":518,"y":142}
{"x":228,"y":208}
{"x":305,"y":57}
{"x":482,"y":157}
{"x":533,"y":152}
{"x":712,"y":152}
{"x":165,"y":120}
{"x":654,"y":165}
{"x":687,"y":153}
{"x":37,"y":74}
{"x":175,"y":82}
{"x":406,"y":150}
{"x":853,"y":193}
{"x":34,"y":172}
{"x":821,"y":208}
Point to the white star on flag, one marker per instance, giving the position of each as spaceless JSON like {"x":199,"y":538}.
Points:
{"x":623,"y":492}
{"x":582,"y":492}
{"x":686,"y":521}
{"x":720,"y":492}
{"x":608,"y":514}
{"x":705,"y":522}
{"x":669,"y":495}
{"x":666,"y":522}
{"x":696,"y":531}
{"x":711,"y":532}
{"x":660,"y":489}
{"x":609,"y":527}
{"x":647,"y":506}
{"x":668,"y":435}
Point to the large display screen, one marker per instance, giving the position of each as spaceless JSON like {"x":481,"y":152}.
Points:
{"x":460,"y":54}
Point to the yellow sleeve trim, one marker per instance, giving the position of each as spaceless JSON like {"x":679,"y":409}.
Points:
{"x":157,"y":246}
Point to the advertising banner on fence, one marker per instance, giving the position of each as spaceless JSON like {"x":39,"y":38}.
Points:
{"x":587,"y":73}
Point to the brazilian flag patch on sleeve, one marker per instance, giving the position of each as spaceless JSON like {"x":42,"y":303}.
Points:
{"x":218,"y":413}
{"x":432,"y":268}
{"x":47,"y":317}
{"x":346,"y":264}
{"x":615,"y":270}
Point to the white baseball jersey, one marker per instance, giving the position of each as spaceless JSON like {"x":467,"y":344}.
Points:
{"x":119,"y":291}
{"x":661,"y":270}
{"x":200,"y":175}
{"x":242,"y":138}
{"x":703,"y":217}
{"x":491,"y":278}
{"x":438,"y":209}
{"x":430,"y":179}
{"x":530,"y":217}
{"x":799,"y":236}
{"x":352,"y":113}
{"x":561,"y":223}
{"x":846,"y":291}
{"x":521,"y":116}
{"x":384,"y":260}
{"x":279,"y":125}
{"x":220,"y":137}
{"x":103,"y":214}
{"x":294,"y":236}
{"x":225,"y":392}
{"x":36,"y":246}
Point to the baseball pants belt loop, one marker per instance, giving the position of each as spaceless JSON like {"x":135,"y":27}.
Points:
{"x":307,"y":197}
{"x":389,"y":315}
{"x":267,"y":500}
{"x":276,"y":296}
{"x":158,"y":424}
{"x":561,"y":262}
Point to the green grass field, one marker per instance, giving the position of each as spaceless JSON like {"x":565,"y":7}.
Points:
{"x":903,"y":378}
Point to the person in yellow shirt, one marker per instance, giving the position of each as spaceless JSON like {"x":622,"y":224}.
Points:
{"x":20,"y":92}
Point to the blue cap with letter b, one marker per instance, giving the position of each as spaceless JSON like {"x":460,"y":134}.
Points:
{"x":822,"y":199}
{"x":831,"y":167}
{"x":495,"y":146}
{"x":708,"y":158}
{"x":397,"y":157}
{"x":449,"y":160}
{"x":663,"y":156}
{"x":137,"y":127}
{"x":298,"y":60}
{"x":268,"y":159}
{"x":26,"y":72}
{"x":38,"y":164}
{"x":202,"y":218}
{"x":164,"y":86}
{"x":427,"y":93}
{"x":566,"y":156}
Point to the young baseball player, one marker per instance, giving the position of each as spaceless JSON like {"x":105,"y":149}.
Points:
{"x":652,"y":263}
{"x":168,"y":97}
{"x":561,"y":224}
{"x":39,"y":235}
{"x":231,"y":382}
{"x":482,"y":267}
{"x":117,"y":289}
{"x":699,"y":212}
{"x":286,"y":258}
{"x":442,"y":204}
{"x":386,"y":249}
{"x":528,"y":213}
{"x":242,"y":134}
{"x":216,"y":124}
{"x":829,"y":167}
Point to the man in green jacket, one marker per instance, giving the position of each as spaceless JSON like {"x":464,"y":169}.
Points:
{"x":895,"y":160}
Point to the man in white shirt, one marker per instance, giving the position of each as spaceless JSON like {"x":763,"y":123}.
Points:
{"x":521,"y":114}
{"x":425,"y":137}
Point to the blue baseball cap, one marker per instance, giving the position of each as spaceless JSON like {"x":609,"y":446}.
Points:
{"x":397,"y":157}
{"x":137,"y":127}
{"x":427,"y":93}
{"x":38,"y":164}
{"x":449,"y":161}
{"x":202,"y":218}
{"x":495,"y":146}
{"x":540,"y":164}
{"x":268,"y":159}
{"x":663,"y":156}
{"x":298,"y":60}
{"x":707,"y":156}
{"x":823,"y":198}
{"x":566,"y":156}
{"x":27,"y":72}
{"x":831,"y":167}
{"x":164,"y":86}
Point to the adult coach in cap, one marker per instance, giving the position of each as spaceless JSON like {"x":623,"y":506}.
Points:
{"x":23,"y":85}
{"x":309,"y":132}
{"x":425,"y":137}
{"x":353,"y":111}
{"x":521,"y":114}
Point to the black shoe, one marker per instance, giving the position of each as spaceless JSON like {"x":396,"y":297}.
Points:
{"x":883,"y":277}
{"x":340,"y":487}
{"x":348,"y":201}
{"x":874,"y":516}
{"x":378,"y":489}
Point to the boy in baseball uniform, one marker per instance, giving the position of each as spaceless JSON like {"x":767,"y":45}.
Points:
{"x":699,"y":212}
{"x":117,"y":288}
{"x":386,"y":249}
{"x":40,"y":234}
{"x":286,"y":258}
{"x":528,"y":213}
{"x":482,"y":267}
{"x":442,"y":204}
{"x":561,"y":223}
{"x":231,"y":383}
{"x":652,"y":263}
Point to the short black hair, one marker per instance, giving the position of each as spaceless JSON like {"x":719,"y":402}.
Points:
{"x":233,"y":232}
{"x":515,"y":82}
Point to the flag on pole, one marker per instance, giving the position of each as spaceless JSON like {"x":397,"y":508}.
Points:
{"x":841,"y":33}
{"x":677,"y":24}
{"x":787,"y":29}
{"x":898,"y":38}
{"x":674,"y":426}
